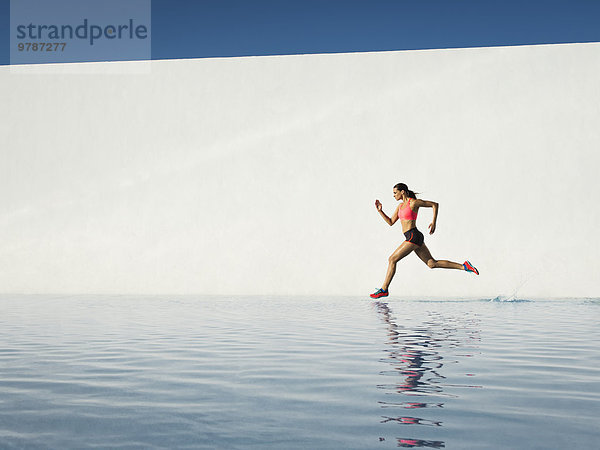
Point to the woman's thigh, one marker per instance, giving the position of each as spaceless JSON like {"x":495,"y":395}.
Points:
{"x":405,"y":249}
{"x":424,"y":253}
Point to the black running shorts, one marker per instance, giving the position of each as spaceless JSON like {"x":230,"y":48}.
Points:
{"x":414,"y":236}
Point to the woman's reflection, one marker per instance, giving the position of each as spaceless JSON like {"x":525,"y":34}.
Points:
{"x":414,"y":356}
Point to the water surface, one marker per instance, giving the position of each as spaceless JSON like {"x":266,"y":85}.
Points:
{"x":298,"y":372}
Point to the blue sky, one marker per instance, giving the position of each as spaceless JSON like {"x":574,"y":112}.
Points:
{"x":210,"y":28}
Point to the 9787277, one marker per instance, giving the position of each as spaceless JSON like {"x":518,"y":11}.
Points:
{"x":41,"y":46}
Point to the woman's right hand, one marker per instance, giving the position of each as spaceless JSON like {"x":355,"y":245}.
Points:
{"x":378,"y":205}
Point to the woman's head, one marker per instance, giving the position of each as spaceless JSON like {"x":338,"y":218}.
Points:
{"x":403,"y":187}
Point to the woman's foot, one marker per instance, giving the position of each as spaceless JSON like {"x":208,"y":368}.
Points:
{"x":470,"y":267}
{"x":380,"y":293}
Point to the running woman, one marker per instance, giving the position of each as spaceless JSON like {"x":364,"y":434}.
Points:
{"x":407,"y":213}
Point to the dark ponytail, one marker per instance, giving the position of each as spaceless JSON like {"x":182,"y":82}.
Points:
{"x":404,"y":187}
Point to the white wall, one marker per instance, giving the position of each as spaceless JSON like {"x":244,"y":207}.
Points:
{"x":258,"y":175}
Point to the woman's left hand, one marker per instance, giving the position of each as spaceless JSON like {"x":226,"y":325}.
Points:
{"x":431,"y":227}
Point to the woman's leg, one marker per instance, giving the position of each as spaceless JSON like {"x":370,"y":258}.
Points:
{"x":423,"y":253}
{"x":404,"y":249}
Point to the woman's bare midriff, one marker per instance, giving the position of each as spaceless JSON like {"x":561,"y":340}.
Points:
{"x":408,"y":225}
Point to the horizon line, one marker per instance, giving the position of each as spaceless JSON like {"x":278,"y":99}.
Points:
{"x":270,"y":55}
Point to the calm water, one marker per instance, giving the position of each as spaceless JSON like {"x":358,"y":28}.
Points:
{"x":290,"y":373}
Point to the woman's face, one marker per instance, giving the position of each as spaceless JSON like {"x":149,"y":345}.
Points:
{"x":397,"y":194}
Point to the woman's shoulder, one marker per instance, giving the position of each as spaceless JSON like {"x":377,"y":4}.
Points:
{"x":416,"y":203}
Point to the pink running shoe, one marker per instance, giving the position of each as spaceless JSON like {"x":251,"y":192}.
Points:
{"x":470,"y":267}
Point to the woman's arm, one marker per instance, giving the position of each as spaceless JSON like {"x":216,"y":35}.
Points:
{"x":429,"y":204}
{"x":389,"y":221}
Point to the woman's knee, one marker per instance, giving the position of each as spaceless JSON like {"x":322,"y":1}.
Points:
{"x":432,"y":263}
{"x":393,"y":259}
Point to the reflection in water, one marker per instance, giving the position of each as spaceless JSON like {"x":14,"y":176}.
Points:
{"x":411,"y":443}
{"x":412,"y":421}
{"x":416,"y":356}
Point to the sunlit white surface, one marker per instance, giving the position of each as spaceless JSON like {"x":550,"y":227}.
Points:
{"x":258,"y":175}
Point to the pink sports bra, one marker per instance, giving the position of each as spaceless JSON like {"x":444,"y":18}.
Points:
{"x":405,"y":213}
